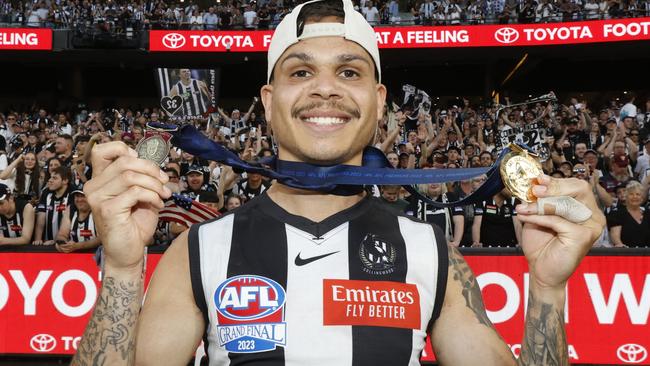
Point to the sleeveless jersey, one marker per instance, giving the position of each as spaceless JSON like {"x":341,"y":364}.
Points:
{"x":82,"y":230}
{"x":362,"y":287}
{"x":54,"y":208}
{"x":12,"y":227}
{"x":195,"y":103}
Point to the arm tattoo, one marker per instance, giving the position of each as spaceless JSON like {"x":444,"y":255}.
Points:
{"x":110,"y":335}
{"x":471,"y":290}
{"x":545,"y":338}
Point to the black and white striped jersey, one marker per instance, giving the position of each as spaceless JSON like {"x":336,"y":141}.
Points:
{"x":361,"y":287}
{"x":12,"y":227}
{"x":195,"y":102}
{"x":54,"y":208}
{"x":82,"y":230}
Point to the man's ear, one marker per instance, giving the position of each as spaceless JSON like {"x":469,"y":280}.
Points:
{"x":381,"y":100}
{"x":266,"y":94}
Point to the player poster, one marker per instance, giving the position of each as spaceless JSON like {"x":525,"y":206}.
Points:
{"x":187,"y":93}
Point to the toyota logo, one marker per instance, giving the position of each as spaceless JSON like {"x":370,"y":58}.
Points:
{"x":173,"y":40}
{"x":42,"y":343}
{"x":506,"y":35}
{"x":631,"y":353}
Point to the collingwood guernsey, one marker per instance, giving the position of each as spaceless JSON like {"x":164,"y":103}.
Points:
{"x":362,"y":287}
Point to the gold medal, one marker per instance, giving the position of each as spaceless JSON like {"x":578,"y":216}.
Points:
{"x":519,"y":169}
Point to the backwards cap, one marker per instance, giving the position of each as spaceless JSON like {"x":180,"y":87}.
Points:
{"x":354,"y":28}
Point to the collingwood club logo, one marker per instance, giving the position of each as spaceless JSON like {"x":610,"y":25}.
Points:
{"x":377,"y":255}
{"x":506,"y":35}
{"x":173,"y":40}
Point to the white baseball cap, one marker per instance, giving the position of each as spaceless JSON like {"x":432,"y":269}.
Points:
{"x":354,"y":28}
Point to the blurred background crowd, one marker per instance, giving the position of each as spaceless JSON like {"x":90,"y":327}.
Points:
{"x":44,"y":162}
{"x":123,"y":16}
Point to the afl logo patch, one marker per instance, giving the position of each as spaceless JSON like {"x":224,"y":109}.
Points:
{"x":250,"y":314}
{"x":377,"y":255}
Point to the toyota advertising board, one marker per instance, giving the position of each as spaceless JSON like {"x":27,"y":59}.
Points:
{"x":47,"y":298}
{"x":25,"y":39}
{"x":634,"y":29}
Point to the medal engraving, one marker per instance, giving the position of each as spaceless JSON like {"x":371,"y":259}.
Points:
{"x":519,"y":169}
{"x":153,"y":148}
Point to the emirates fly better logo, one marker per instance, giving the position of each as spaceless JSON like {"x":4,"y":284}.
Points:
{"x":42,"y":343}
{"x":506,"y":35}
{"x":173,"y":40}
{"x":632,"y":353}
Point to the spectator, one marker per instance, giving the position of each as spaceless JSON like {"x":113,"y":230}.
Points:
{"x":16,"y":218}
{"x":210,"y":19}
{"x":450,"y":220}
{"x":251,"y":187}
{"x":630,"y":225}
{"x":23,"y":176}
{"x":371,"y":13}
{"x":63,"y":149}
{"x":618,"y":172}
{"x":232,"y":202}
{"x":250,"y":18}
{"x":77,"y":231}
{"x":390,"y":196}
{"x":496,"y":223}
{"x":642,"y":168}
{"x":51,"y":206}
{"x":195,"y":182}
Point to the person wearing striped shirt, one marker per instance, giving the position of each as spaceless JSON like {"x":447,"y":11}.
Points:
{"x":16,"y":219}
{"x":77,"y":231}
{"x":195,"y":93}
{"x":52,"y":206}
{"x":302,"y":277}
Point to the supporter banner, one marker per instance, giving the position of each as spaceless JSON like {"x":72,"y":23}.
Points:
{"x":615,"y":30}
{"x":186,"y":93}
{"x":46,"y":299}
{"x":533,"y":135}
{"x":25,"y":39}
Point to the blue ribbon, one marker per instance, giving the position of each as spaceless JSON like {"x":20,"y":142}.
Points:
{"x":339,"y":179}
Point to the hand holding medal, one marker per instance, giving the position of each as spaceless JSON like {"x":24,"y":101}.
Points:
{"x":520,"y":172}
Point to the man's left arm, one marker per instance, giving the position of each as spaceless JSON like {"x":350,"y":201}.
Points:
{"x":553,"y":247}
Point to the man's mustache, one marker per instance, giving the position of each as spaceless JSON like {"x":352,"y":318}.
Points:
{"x":333,"y":105}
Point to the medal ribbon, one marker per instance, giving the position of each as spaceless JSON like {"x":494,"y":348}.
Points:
{"x":339,"y":179}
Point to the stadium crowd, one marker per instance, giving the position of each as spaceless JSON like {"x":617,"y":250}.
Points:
{"x":265,"y":14}
{"x":44,"y":162}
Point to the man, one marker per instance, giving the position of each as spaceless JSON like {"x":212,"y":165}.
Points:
{"x":310,"y":249}
{"x":210,"y":19}
{"x":16,"y":219}
{"x":63,"y":149}
{"x":251,"y":187}
{"x":496,"y":223}
{"x":250,"y":18}
{"x":195,"y":182}
{"x":78,"y":231}
{"x":449,"y":219}
{"x":51,"y":206}
{"x":195,"y":93}
{"x":391,"y":198}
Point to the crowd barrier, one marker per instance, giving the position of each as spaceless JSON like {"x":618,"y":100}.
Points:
{"x":47,"y":297}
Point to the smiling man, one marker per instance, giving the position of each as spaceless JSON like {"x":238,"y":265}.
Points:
{"x":301,"y":277}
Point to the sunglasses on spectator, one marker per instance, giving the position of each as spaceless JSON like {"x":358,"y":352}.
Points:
{"x":580,"y":170}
